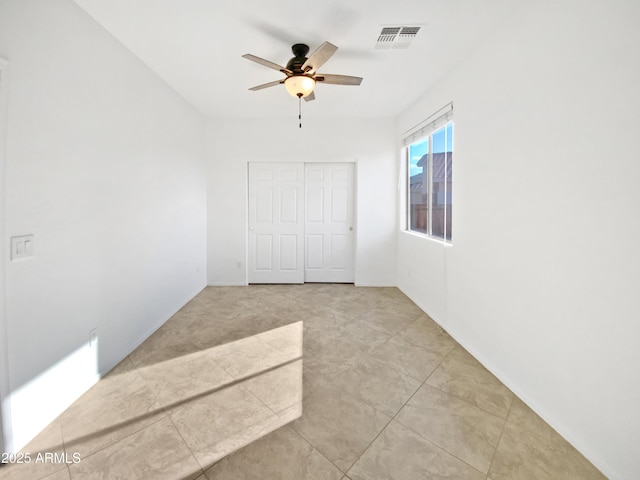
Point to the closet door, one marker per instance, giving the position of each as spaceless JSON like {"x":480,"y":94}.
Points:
{"x":329,"y":223}
{"x":276,"y":223}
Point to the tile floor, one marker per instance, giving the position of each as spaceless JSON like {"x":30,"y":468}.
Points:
{"x":387,"y":395}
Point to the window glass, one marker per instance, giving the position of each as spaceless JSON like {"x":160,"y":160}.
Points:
{"x":419,"y":186}
{"x":441,"y":182}
{"x":430,"y":162}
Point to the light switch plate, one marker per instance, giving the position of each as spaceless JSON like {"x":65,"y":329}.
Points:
{"x":21,"y":247}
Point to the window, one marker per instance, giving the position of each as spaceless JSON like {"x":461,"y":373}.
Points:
{"x":429,"y":155}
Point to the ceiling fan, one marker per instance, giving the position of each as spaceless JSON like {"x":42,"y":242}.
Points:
{"x":302,"y":72}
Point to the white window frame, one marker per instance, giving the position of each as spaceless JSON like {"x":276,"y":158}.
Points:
{"x":423,"y":131}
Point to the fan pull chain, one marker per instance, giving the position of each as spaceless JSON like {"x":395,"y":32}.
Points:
{"x":300,"y":111}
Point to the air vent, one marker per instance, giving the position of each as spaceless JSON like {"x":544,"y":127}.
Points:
{"x":396,"y":37}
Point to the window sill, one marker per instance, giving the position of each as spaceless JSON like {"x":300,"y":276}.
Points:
{"x":437,"y":240}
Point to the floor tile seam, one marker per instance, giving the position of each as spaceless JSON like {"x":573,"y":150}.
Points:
{"x":473,"y":428}
{"x":243,"y":342}
{"x":217,"y":363}
{"x":352,"y":367}
{"x":138,"y":430}
{"x":319,"y":450}
{"x":481,"y":367}
{"x":392,"y":367}
{"x":155,"y":392}
{"x":436,"y":368}
{"x":366,"y":402}
{"x":133,"y":362}
{"x":373,"y":325}
{"x":362,"y":323}
{"x":64,"y":447}
{"x":422,"y":383}
{"x":15,"y":466}
{"x":66,"y":466}
{"x":341,"y":390}
{"x":79,"y":401}
{"x":404,"y":372}
{"x":202,"y":469}
{"x":504,"y":426}
{"x":255,"y":423}
{"x":447,"y":393}
{"x":346,"y":472}
{"x":385,"y":427}
{"x":396,"y":370}
{"x":478,"y":367}
{"x":233,"y":382}
{"x":418,"y":344}
{"x":420,"y":316}
{"x":156,"y":411}
{"x":439,"y":330}
{"x":470,"y":403}
{"x":49,"y":448}
{"x":250,"y":392}
{"x":415,"y":320}
{"x":166,"y":409}
{"x":296,"y":432}
{"x":130,"y":356}
{"x":496,"y":384}
{"x":443,"y":448}
{"x":383,"y":343}
{"x":543,"y":438}
{"x":230,"y":435}
{"x":394,"y":418}
{"x":68,"y":471}
{"x":502,"y":420}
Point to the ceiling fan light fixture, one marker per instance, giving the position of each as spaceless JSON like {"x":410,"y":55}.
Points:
{"x":299,"y":86}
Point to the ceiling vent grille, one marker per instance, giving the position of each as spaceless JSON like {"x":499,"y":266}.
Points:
{"x":396,"y":37}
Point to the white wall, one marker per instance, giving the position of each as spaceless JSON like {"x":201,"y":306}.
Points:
{"x":541,"y":283}
{"x":105,"y":166}
{"x":234,"y":143}
{"x":5,"y":418}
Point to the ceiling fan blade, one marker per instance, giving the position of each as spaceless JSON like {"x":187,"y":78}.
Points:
{"x":311,"y":96}
{"x":317,"y":58}
{"x":267,"y":63}
{"x":266,"y":85}
{"x":338,"y":79}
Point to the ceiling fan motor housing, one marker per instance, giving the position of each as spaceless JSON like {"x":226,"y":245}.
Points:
{"x":300,"y":51}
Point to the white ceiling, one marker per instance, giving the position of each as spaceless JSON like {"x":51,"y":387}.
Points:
{"x":196,"y":47}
